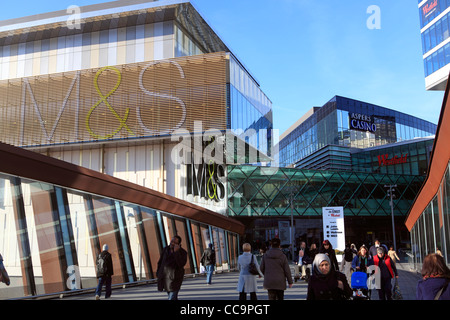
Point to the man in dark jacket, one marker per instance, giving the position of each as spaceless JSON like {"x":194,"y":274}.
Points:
{"x":170,"y":270}
{"x":387,"y":271}
{"x":104,"y":273}
{"x":209,"y":261}
{"x":276,"y":270}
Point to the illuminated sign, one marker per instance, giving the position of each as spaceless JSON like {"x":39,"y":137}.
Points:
{"x":383,"y":160}
{"x":115,"y":102}
{"x":362,"y":122}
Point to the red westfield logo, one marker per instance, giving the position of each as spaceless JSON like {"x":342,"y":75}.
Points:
{"x":383,"y":160}
{"x":429,"y":7}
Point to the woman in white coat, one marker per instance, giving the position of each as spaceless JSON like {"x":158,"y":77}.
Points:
{"x":247,"y":281}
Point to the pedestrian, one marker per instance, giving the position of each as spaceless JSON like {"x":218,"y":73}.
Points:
{"x":387,"y":271}
{"x":373,"y":249}
{"x":247,"y":281}
{"x":393,"y":255}
{"x":327,"y":283}
{"x":435,"y":279}
{"x":354,"y":250}
{"x":346,"y":264}
{"x":311,"y":253}
{"x":362,"y":260}
{"x":105,"y":272}
{"x":208,"y":260}
{"x":300,"y":263}
{"x":327,"y":249}
{"x":170,"y":270}
{"x":276,"y":270}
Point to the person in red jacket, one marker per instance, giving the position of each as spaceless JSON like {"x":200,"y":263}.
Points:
{"x":387,"y":271}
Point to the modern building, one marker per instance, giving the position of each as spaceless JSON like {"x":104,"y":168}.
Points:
{"x":343,"y":154}
{"x":428,"y":219}
{"x":110,"y":94}
{"x":435,"y":30}
{"x":266,"y":199}
{"x":121,"y":89}
{"x":348,"y":123}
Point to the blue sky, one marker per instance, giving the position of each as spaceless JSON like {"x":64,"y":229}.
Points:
{"x":304,"y":52}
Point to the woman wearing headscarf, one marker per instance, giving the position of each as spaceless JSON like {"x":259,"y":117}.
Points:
{"x":327,"y":283}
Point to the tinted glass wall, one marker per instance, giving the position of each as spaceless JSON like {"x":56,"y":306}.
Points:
{"x":274,"y":192}
{"x":435,"y":32}
{"x":330,"y":124}
{"x":51,"y":237}
{"x":407,"y":158}
{"x":249,"y":109}
{"x":430,"y":233}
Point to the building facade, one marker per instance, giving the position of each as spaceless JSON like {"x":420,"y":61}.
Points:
{"x":428,"y":219}
{"x":266,"y":199}
{"x":435,"y":31}
{"x":349,"y":123}
{"x":112,"y":93}
{"x":409,"y":157}
{"x":56,"y":216}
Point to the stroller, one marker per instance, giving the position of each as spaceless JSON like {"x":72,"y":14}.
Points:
{"x":359,"y":286}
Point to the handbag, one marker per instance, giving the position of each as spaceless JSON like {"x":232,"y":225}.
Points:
{"x":252,"y":268}
{"x":397,"y":294}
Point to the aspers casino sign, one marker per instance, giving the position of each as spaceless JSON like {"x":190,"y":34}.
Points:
{"x":362,"y":122}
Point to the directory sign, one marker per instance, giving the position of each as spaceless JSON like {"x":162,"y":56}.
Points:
{"x":333,"y":226}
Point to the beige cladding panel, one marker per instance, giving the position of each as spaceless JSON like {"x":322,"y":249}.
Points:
{"x":115,"y":102}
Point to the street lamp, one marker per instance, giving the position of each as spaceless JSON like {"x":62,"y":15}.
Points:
{"x":292,"y":225}
{"x":391,"y":195}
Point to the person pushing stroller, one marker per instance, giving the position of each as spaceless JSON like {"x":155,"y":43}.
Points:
{"x":360,"y":264}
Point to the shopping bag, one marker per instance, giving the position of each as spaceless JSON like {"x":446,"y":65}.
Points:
{"x":397,"y":293}
{"x":202,"y":269}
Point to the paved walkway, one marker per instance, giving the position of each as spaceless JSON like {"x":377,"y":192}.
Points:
{"x":224,"y":288}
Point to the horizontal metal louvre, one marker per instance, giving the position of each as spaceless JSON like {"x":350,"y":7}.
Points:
{"x":117,"y":102}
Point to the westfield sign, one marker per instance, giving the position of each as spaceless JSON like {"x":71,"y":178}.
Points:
{"x":383,"y":160}
{"x":429,"y":7}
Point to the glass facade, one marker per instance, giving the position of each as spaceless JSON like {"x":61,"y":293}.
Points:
{"x":250,"y":109}
{"x":331,"y":125}
{"x":266,"y":199}
{"x":273,"y":192}
{"x":431,"y":231}
{"x":52,"y":235}
{"x":435,"y":24}
{"x":410,"y":158}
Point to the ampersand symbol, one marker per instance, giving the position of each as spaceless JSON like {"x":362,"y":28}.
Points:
{"x":104,"y":99}
{"x":211,"y":183}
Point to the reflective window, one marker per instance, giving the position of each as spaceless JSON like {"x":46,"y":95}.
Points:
{"x":51,"y":238}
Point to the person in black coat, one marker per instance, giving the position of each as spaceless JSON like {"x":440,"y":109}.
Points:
{"x":170,"y":271}
{"x":105,"y":272}
{"x":208,"y":260}
{"x":327,"y":283}
{"x":327,"y":249}
{"x":435,"y":279}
